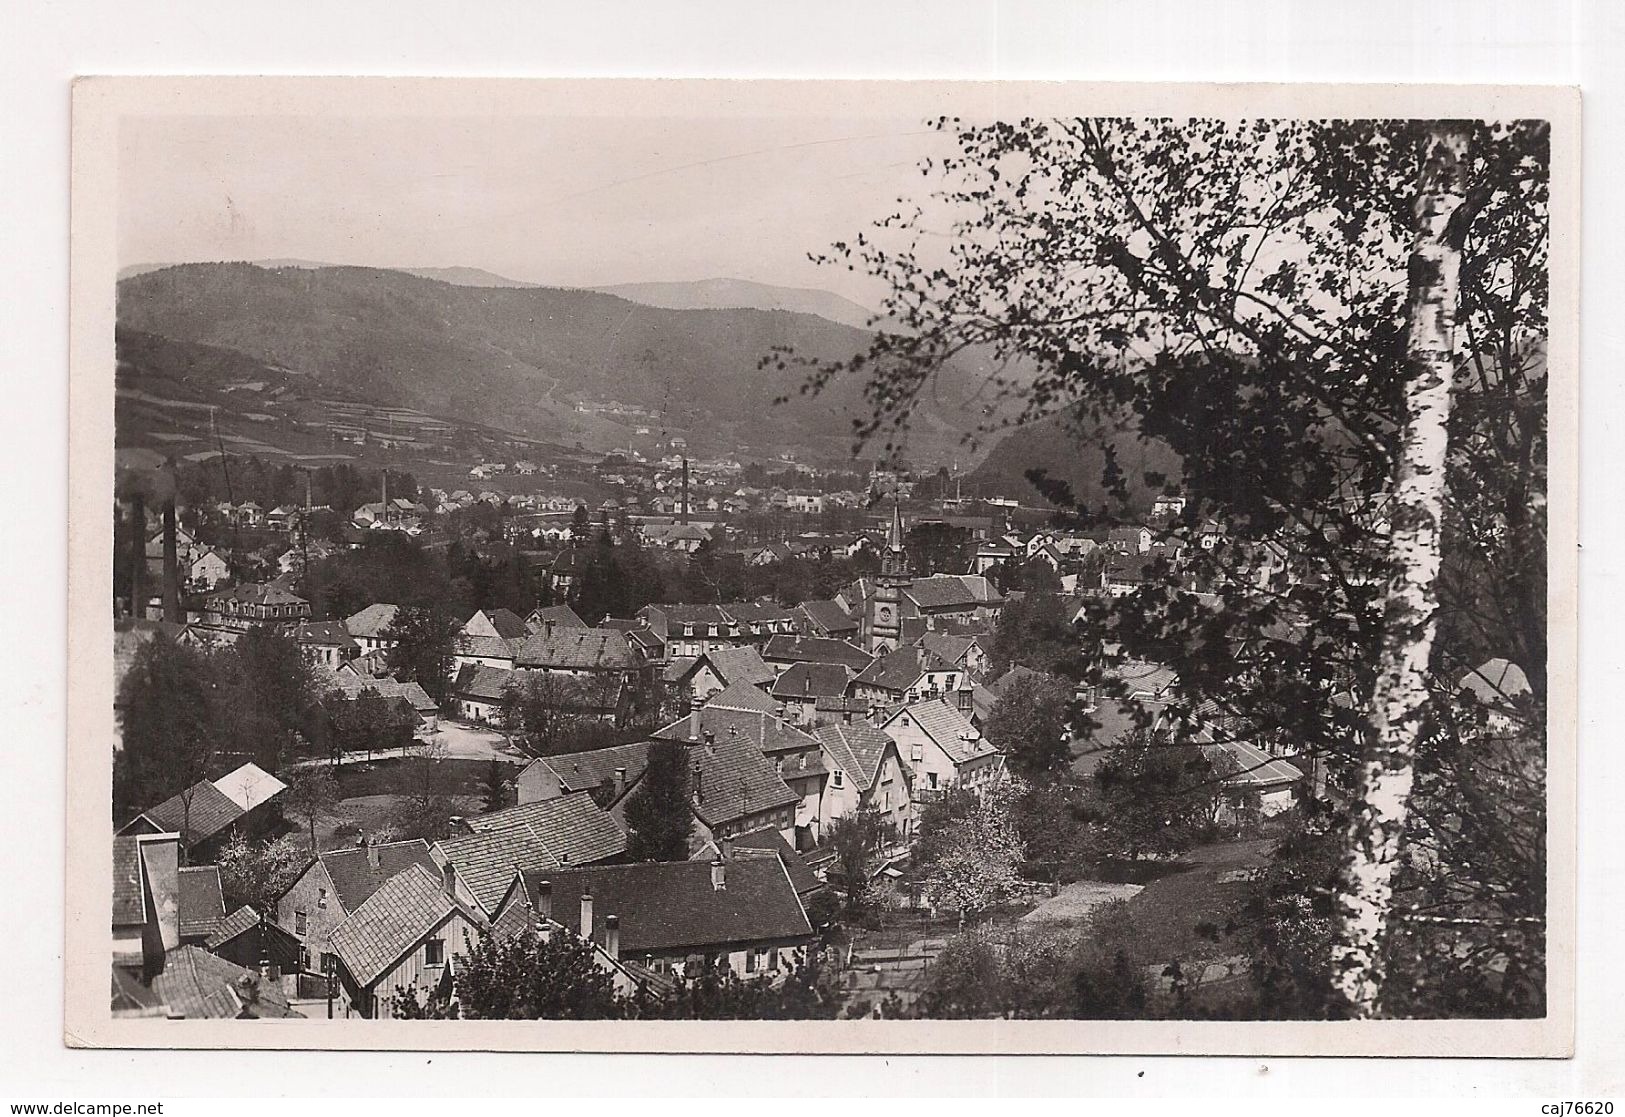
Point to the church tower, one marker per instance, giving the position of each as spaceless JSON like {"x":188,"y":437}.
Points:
{"x":883,"y":612}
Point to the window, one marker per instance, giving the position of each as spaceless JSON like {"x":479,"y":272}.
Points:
{"x":837,"y":778}
{"x":434,"y":952}
{"x":773,"y":958}
{"x":751,"y":957}
{"x":932,"y":776}
{"x":321,"y":897}
{"x":299,"y":922}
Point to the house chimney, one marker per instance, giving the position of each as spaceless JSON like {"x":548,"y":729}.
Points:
{"x":372,"y":855}
{"x":544,"y":899}
{"x":719,"y":876}
{"x":620,"y":781}
{"x":710,"y":742}
{"x":612,"y":936}
{"x":699,"y":789}
{"x":726,"y":848}
{"x":586,"y":916}
{"x":448,"y":878}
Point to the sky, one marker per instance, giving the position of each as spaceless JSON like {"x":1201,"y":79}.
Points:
{"x":558,"y":201}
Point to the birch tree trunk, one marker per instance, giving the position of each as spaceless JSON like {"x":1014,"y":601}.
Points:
{"x":1399,"y":702}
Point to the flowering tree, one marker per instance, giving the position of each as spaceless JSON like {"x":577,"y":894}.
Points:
{"x":977,"y":862}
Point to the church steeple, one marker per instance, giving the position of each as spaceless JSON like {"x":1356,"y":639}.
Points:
{"x":883,"y":611}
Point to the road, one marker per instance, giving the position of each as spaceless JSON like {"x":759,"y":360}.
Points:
{"x":455,"y":740}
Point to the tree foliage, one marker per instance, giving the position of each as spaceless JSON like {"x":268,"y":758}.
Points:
{"x":1031,"y":722}
{"x":1239,"y":292}
{"x":658,"y":813}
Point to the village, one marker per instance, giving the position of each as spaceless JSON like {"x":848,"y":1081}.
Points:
{"x":848,"y":781}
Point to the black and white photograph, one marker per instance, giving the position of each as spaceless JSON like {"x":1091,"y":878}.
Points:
{"x":757,"y":565}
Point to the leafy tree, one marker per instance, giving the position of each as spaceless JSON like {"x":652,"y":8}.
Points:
{"x":256,"y":873}
{"x":976,"y":866}
{"x":580,"y":524}
{"x":940,"y":817}
{"x":494,"y":786}
{"x":1031,"y":722}
{"x":313,"y":792}
{"x":658,"y":814}
{"x":1059,"y":830}
{"x":274,"y":696}
{"x":965,"y":981}
{"x":1036,"y":631}
{"x":171,"y":712}
{"x":425,"y":642}
{"x":1155,"y":796}
{"x":529,"y":977}
{"x":1110,"y":979}
{"x":1339,"y":327}
{"x":857,"y":840}
{"x":427,"y":807}
{"x":715,"y":992}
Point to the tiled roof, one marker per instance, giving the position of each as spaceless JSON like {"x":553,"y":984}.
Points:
{"x":243,"y":919}
{"x":324,"y":633}
{"x":1255,"y":767}
{"x":248,"y":786}
{"x":202,"y":904}
{"x":856,"y":749}
{"x":561,"y":616}
{"x":828,"y":616}
{"x":770,"y":842}
{"x":576,"y":648}
{"x":812,"y":680}
{"x":482,"y":681}
{"x":951,"y":591}
{"x":584,"y":771}
{"x":949,"y":728}
{"x":129,"y":899}
{"x":374,"y":937}
{"x":1150,"y":679}
{"x":256,"y":594}
{"x":947,"y":646}
{"x":740,"y":665}
{"x":667,"y":906}
{"x":570,"y":830}
{"x":816,"y":649}
{"x":412,"y":691}
{"x":212,"y":811}
{"x":999,"y":685}
{"x":734,"y":779}
{"x":897,"y":670}
{"x":678,"y":667}
{"x":762,"y":728}
{"x":371,"y":621}
{"x":197,"y":985}
{"x":509,"y":625}
{"x":742,"y":696}
{"x":842,"y":705}
{"x":354,"y":878}
{"x":487,"y":647}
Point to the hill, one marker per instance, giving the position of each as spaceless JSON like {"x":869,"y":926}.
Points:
{"x":466,"y":277}
{"x":1074,"y":451}
{"x":726,"y":294}
{"x":569,"y":366}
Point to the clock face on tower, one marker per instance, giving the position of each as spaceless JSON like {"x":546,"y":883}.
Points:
{"x":883,"y":614}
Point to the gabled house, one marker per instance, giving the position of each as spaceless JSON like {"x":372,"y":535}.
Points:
{"x":545,"y":618}
{"x":803,"y":684}
{"x":866,"y":771}
{"x":783,"y":651}
{"x":827,"y":618}
{"x":370,"y":627}
{"x":404,"y":937}
{"x":912,"y":674}
{"x":544,"y":834}
{"x":335,"y":883}
{"x":609,"y":775}
{"x":724,"y":667}
{"x":692,"y":630}
{"x":735,"y":788}
{"x":943,"y":749}
{"x":250,"y":939}
{"x":747,"y":698}
{"x":674,"y":917}
{"x":966,"y":652}
{"x":202,"y":903}
{"x":326,"y":643}
{"x":146,"y":902}
{"x":504,"y":624}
